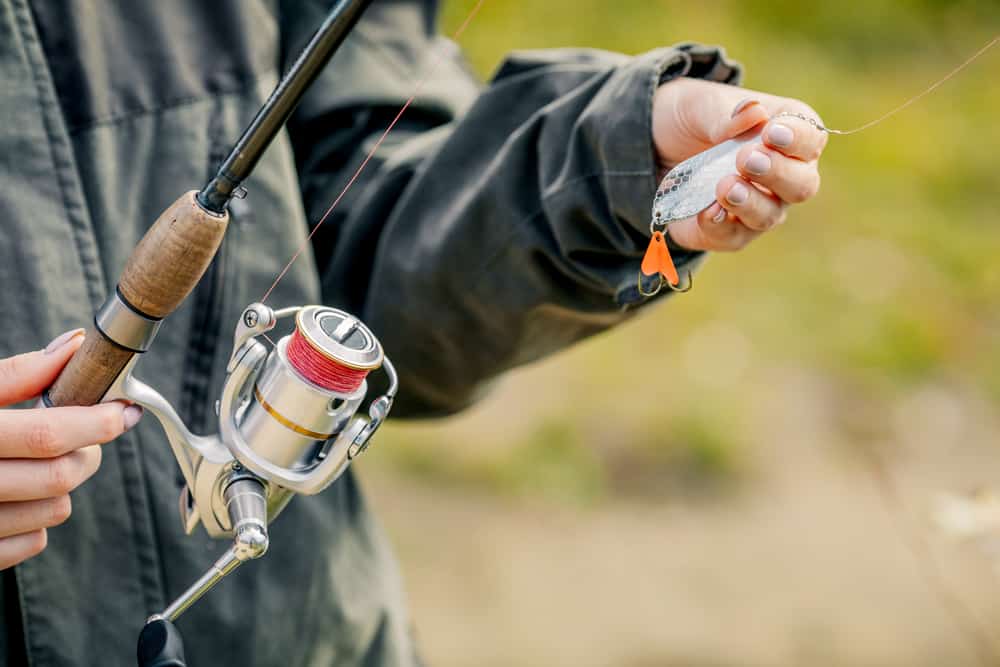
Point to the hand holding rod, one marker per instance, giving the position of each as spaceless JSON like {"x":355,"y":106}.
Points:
{"x":174,"y":254}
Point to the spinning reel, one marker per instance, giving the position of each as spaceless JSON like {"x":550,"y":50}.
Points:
{"x":287,"y":423}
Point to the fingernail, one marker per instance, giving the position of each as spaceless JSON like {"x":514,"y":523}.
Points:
{"x":758,"y":163}
{"x":738,"y":194}
{"x":780,"y":135}
{"x":743,"y":105}
{"x":131,"y":415}
{"x":61,"y":340}
{"x":720,"y":216}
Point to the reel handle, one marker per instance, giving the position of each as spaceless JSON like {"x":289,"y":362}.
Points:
{"x":162,"y":270}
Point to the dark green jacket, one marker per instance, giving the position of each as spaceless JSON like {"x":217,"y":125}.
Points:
{"x":498,"y":225}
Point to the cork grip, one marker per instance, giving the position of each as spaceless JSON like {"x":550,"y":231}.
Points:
{"x":163,"y":269}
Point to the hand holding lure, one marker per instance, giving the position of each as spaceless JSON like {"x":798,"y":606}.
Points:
{"x":689,"y":188}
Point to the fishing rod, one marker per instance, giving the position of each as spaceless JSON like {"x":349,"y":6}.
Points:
{"x":287,"y":416}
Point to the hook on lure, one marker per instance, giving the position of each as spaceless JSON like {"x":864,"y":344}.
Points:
{"x":658,"y":262}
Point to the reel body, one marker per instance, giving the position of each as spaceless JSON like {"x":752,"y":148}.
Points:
{"x":288,"y":424}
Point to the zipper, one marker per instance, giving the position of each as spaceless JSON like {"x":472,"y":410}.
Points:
{"x":206,"y":331}
{"x":208,"y":302}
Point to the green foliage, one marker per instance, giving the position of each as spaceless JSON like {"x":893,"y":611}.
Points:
{"x":551,"y":461}
{"x":691,"y":454}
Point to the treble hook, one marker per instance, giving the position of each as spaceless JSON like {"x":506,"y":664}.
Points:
{"x":670,"y":286}
{"x":658,"y":262}
{"x":677,"y":287}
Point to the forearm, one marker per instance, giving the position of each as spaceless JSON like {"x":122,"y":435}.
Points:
{"x":496,"y":239}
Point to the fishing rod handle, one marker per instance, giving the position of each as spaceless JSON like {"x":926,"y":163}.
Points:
{"x":162,"y":270}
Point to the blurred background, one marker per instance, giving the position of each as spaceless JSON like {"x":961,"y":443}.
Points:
{"x":746,"y":475}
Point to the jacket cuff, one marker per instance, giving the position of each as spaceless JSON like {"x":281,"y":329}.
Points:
{"x":628,"y":142}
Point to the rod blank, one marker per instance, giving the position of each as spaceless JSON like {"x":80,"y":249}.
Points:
{"x":279,"y":106}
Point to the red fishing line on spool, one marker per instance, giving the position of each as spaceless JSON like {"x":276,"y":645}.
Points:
{"x":320,"y":369}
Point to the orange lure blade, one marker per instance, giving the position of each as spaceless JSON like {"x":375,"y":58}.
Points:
{"x":658,"y":260}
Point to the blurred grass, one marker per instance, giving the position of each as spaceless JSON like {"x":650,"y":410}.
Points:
{"x":886,"y":282}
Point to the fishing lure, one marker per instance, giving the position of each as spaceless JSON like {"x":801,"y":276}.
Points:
{"x":689,"y":188}
{"x":686,"y":190}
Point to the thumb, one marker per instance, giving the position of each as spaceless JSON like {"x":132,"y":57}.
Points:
{"x":746,"y":115}
{"x":690,"y":115}
{"x":26,"y":375}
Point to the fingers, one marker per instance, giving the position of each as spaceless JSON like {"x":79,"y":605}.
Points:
{"x":44,"y":433}
{"x":46,"y":453}
{"x":795,"y":137}
{"x":32,"y":515}
{"x":711,"y":231}
{"x":22,"y":479}
{"x":791,"y":180}
{"x":26,"y":375}
{"x":755,"y":209}
{"x":741,"y":214}
{"x":755,"y":201}
{"x":19,"y":548}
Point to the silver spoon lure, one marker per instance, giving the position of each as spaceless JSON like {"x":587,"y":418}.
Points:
{"x":689,"y":188}
{"x":685,"y":191}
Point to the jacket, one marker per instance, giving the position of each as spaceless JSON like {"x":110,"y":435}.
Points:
{"x":499,"y":224}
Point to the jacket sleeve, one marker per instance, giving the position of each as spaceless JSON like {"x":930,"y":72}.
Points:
{"x":497,"y":224}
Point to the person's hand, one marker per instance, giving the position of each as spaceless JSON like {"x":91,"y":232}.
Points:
{"x":46,"y":452}
{"x":691,"y":115}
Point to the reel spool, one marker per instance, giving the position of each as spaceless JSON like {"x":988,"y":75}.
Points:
{"x":310,"y":388}
{"x":289,"y":415}
{"x":332,"y":349}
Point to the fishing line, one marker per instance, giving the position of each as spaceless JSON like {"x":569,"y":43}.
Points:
{"x":913,"y":100}
{"x":364,"y":163}
{"x":320,"y":368}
